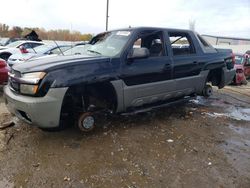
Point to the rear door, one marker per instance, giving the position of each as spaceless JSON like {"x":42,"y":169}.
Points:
{"x":187,"y":62}
{"x":146,"y":80}
{"x":185,"y":57}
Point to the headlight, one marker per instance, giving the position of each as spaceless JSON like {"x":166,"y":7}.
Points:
{"x":28,"y":89}
{"x":32,"y":78}
{"x":30,"y":82}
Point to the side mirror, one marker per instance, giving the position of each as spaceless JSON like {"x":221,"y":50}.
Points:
{"x":138,"y":53}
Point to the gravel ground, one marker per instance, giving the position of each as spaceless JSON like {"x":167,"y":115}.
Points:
{"x":202,"y":143}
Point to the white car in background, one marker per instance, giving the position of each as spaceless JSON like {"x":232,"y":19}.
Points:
{"x":36,"y":52}
{"x":13,"y":48}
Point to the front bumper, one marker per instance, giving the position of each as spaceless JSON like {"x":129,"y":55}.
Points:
{"x":43,"y":112}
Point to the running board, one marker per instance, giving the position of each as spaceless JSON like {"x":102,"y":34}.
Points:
{"x":137,"y":111}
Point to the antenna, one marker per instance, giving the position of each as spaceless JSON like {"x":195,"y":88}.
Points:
{"x":59,"y":47}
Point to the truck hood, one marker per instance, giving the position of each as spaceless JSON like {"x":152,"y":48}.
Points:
{"x":56,"y":62}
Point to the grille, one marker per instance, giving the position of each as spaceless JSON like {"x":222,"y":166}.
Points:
{"x":14,"y":85}
{"x":16,"y":73}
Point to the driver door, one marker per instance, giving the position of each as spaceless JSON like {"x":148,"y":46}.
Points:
{"x":147,"y":80}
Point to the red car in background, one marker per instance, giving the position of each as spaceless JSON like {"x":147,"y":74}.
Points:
{"x":242,"y":67}
{"x":247,"y":65}
{"x":4,"y":69}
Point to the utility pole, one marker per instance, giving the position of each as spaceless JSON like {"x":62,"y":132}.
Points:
{"x":107,"y":15}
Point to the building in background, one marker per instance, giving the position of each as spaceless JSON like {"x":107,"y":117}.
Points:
{"x":219,"y":40}
{"x":238,"y":45}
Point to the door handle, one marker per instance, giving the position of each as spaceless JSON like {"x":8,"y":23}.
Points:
{"x":195,"y":62}
{"x":167,"y":66}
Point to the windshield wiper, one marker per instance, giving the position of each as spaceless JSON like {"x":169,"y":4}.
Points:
{"x":93,"y":51}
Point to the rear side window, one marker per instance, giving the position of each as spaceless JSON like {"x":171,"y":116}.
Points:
{"x":205,"y":46}
{"x":181,"y":43}
{"x":203,"y":42}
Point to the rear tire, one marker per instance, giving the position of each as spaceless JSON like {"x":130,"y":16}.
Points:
{"x":207,"y":91}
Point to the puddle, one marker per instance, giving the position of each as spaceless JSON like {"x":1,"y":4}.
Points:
{"x":240,"y":114}
{"x":236,"y":113}
{"x":239,"y":130}
{"x":233,"y":113}
{"x":209,"y":102}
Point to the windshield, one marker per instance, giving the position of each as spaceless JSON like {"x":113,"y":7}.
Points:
{"x":239,"y":59}
{"x":109,"y":43}
{"x":14,"y":44}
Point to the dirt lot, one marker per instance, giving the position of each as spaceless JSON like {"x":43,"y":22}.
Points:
{"x":203,"y":143}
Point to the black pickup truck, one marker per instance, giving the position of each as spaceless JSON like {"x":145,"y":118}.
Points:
{"x":120,"y":71}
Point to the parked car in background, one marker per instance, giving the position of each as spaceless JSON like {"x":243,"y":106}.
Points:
{"x":239,"y":67}
{"x":12,"y":48}
{"x":36,"y":52}
{"x":81,"y":43}
{"x":4,"y":69}
{"x":11,"y":40}
{"x":76,"y":50}
{"x":247,"y":65}
{"x":3,"y":41}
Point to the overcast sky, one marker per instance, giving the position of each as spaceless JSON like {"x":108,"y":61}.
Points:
{"x":215,"y":17}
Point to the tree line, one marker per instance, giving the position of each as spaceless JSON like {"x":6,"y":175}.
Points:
{"x":57,"y":34}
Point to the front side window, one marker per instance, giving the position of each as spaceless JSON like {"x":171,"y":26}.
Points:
{"x":153,"y":41}
{"x":181,"y":43}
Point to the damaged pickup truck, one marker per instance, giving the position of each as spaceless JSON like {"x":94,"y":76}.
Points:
{"x":120,"y":71}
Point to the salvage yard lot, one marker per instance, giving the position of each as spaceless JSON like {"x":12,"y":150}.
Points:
{"x":202,"y":143}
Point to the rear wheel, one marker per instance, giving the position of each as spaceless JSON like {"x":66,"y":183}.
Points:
{"x":207,"y":91}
